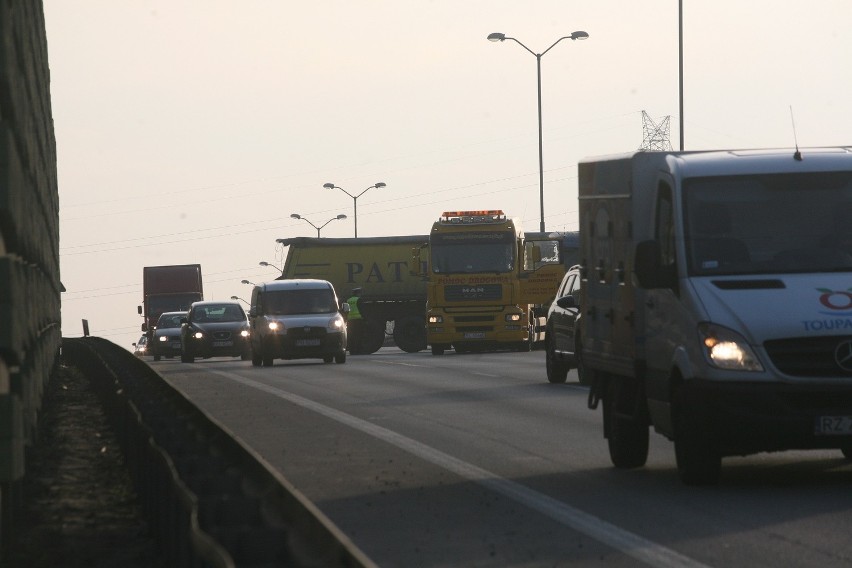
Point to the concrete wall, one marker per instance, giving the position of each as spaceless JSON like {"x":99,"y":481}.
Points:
{"x":30,"y":333}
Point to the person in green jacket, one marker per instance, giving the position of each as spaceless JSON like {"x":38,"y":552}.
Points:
{"x":354,"y":322}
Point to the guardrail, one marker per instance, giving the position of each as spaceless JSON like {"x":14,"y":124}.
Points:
{"x":209,"y":500}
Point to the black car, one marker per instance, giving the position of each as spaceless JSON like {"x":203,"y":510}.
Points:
{"x":165,"y":340}
{"x":215,"y":329}
{"x":562,"y":345}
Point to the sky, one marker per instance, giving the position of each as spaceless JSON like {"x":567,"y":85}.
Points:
{"x":189,"y":131}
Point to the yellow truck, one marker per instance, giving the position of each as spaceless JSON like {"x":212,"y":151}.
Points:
{"x":488,"y":283}
{"x":380,"y":267}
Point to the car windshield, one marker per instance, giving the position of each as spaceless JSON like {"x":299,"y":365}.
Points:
{"x":218,"y":313}
{"x":292,"y":302}
{"x":169,"y":321}
{"x":763,"y":224}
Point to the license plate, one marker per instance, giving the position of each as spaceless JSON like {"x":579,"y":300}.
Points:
{"x":307,"y":342}
{"x":222,"y":343}
{"x":833,"y":425}
{"x":474,"y":335}
{"x":175,"y":345}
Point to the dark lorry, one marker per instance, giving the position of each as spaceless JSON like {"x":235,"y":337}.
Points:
{"x":168,"y":289}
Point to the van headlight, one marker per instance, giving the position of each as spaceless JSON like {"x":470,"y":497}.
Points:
{"x":727,"y":349}
{"x":336,"y":323}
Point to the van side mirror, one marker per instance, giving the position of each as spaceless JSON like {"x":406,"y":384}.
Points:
{"x":144,"y":327}
{"x":649,"y":270}
{"x":567,"y":302}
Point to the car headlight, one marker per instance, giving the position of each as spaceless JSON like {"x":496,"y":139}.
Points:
{"x":244,"y":333}
{"x":275,"y":326}
{"x":198,"y":335}
{"x":163,"y":338}
{"x":727,"y":349}
{"x":336,"y":323}
{"x":436,"y":319}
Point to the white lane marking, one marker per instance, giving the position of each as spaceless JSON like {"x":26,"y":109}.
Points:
{"x":396,"y":363}
{"x":624,"y":541}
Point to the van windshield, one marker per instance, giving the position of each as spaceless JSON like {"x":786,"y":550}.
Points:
{"x":294,"y":302}
{"x":763,"y":224}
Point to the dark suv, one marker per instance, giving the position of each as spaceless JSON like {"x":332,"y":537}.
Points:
{"x":562,"y":343}
{"x":214,"y":329}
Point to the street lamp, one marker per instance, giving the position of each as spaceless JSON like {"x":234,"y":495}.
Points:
{"x":264,"y":263}
{"x":240,"y":299}
{"x":297,"y":216}
{"x":354,"y":199}
{"x":247,"y":282}
{"x":502,"y":37}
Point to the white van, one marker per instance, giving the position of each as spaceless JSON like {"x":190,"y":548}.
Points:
{"x":717,"y":302}
{"x":297,"y":319}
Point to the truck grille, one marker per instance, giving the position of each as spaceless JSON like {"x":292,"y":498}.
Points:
{"x":829,"y":356}
{"x":462,"y":292}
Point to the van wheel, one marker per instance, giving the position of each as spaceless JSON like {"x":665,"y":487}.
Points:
{"x":340,"y":358}
{"x":627,"y":435}
{"x":699,"y":461}
{"x":557,"y":371}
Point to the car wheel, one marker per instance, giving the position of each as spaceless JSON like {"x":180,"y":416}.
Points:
{"x":584,"y":375}
{"x":627,"y":436}
{"x":156,"y":357}
{"x":328,"y":358}
{"x":187,"y":358}
{"x":557,"y":371}
{"x":266,"y":358}
{"x":340,"y":358}
{"x":699,"y":461}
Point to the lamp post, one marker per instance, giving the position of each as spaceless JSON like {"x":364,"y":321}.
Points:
{"x":354,"y":199}
{"x":339,"y":217}
{"x":240,"y":299}
{"x":264,"y":263}
{"x":503,"y":37}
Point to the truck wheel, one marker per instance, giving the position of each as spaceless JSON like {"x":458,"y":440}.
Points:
{"x":627,"y":435}
{"x":437,"y":350}
{"x":557,"y":371}
{"x":256,"y":359}
{"x":699,"y":461}
{"x":340,"y":358}
{"x":409,"y":334}
{"x":372,"y":337}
